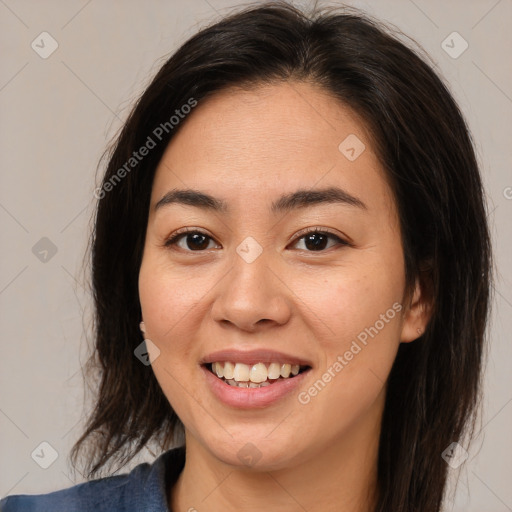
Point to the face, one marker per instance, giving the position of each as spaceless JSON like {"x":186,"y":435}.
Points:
{"x":254,"y":281}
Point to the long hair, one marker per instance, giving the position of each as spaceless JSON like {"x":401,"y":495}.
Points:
{"x":424,"y":145}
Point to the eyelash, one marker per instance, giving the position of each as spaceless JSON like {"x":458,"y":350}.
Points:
{"x":302,"y":234}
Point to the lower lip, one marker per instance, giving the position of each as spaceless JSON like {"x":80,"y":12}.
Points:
{"x":250,"y":398}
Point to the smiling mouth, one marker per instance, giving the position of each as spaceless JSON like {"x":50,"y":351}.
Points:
{"x":254,"y":376}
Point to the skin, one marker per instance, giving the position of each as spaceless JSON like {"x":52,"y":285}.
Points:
{"x":248,"y":147}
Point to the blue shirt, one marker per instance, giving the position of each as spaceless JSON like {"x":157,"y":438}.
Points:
{"x":144,"y":489}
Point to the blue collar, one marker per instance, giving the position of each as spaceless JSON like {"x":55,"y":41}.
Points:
{"x":143,"y":488}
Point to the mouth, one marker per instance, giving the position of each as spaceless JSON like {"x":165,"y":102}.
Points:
{"x":254,"y":376}
{"x":253,"y":379}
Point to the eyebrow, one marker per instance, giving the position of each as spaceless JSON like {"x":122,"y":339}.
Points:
{"x":286,"y":203}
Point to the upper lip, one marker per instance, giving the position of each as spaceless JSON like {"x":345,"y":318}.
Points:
{"x":251,"y":357}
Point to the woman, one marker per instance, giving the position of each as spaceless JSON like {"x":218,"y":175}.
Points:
{"x":292,"y":218}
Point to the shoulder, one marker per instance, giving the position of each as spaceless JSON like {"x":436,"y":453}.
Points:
{"x":88,"y":496}
{"x":144,"y":488}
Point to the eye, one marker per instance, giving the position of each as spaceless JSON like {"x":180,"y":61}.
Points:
{"x":315,"y":240}
{"x":194,"y":240}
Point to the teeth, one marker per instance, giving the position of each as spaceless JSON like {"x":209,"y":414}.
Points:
{"x":257,"y":375}
{"x":229,"y":370}
{"x":241,"y":372}
{"x":274,"y":371}
{"x":285,"y":370}
{"x":236,"y":384}
{"x":218,"y":368}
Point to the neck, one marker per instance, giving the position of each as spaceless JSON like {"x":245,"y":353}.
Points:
{"x":340,"y":478}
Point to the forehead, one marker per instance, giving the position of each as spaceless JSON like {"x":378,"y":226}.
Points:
{"x":268,"y":139}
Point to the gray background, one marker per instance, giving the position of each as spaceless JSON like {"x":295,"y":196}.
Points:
{"x":58,"y":115}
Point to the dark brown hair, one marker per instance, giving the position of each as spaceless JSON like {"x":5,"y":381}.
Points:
{"x":423,"y":143}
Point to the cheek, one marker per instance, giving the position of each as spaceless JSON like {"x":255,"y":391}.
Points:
{"x":170,"y":304}
{"x":170,"y":300}
{"x":361,"y":312}
{"x":348,"y":300}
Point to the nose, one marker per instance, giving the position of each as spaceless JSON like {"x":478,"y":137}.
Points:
{"x":252,"y":296}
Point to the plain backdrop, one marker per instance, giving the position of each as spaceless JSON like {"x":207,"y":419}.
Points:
{"x":57,"y":116}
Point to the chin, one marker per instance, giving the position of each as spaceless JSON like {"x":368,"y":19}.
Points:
{"x":254,"y":452}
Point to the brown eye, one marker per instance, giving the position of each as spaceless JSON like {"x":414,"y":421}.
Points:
{"x":193,"y":241}
{"x":317,"y":240}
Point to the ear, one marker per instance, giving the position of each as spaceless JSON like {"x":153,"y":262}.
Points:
{"x":417,"y":313}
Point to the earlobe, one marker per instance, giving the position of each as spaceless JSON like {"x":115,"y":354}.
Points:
{"x":417,"y":314}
